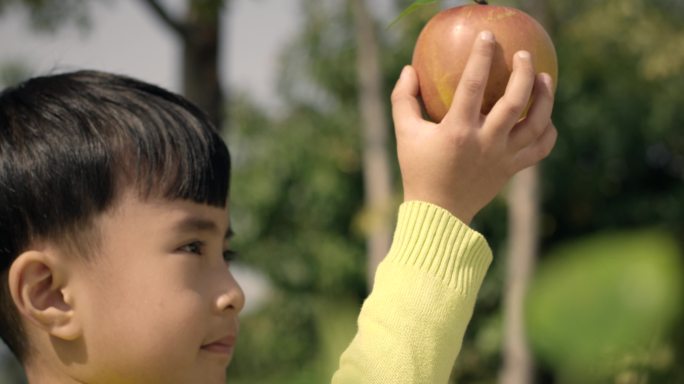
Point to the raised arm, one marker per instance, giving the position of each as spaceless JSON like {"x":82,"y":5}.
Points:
{"x":411,"y":326}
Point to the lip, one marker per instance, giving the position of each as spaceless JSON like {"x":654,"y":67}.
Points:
{"x":223,"y":346}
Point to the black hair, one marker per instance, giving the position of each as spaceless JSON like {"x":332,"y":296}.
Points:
{"x":71,"y":143}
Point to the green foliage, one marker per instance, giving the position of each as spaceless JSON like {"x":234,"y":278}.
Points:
{"x":13,"y":72}
{"x":295,"y":193}
{"x":605,"y":304}
{"x":276,"y":339}
{"x":618,"y":161}
{"x":297,"y":185}
{"x":410,"y":9}
{"x":49,"y":15}
{"x":296,"y":338}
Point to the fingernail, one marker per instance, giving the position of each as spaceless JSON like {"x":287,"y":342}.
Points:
{"x":523,"y":55}
{"x":487,"y":36}
{"x":403,"y":71}
{"x":546,"y":78}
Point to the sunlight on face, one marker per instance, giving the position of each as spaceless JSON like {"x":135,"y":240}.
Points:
{"x":160,"y":303}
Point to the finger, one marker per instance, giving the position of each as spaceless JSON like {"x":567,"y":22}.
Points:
{"x":538,"y":150}
{"x":467,"y":102}
{"x":405,"y":106}
{"x":508,"y":110}
{"x":538,"y":116}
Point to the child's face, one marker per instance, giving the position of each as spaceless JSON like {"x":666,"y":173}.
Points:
{"x":159,"y":304}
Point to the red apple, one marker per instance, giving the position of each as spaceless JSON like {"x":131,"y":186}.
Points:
{"x":444,"y":45}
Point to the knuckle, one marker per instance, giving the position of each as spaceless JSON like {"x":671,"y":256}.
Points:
{"x":513,"y":108}
{"x":551,"y":143}
{"x":473,"y":86}
{"x":543,"y":151}
{"x":460,"y":139}
{"x":396,"y":95}
{"x":533,"y":129}
{"x":538,"y":130}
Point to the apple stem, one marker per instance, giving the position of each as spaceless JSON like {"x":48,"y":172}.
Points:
{"x":481,"y":2}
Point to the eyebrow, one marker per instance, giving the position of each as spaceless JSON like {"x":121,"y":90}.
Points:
{"x":194,"y":223}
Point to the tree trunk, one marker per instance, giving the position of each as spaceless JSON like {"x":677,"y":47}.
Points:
{"x":524,"y":217}
{"x":201,"y":79}
{"x":523,"y":232}
{"x":199,"y":33}
{"x":376,"y":163}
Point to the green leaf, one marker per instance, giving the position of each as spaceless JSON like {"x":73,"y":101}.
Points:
{"x":410,"y":9}
{"x":598,"y":303}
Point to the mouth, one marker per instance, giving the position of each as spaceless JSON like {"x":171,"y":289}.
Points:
{"x":224,"y":346}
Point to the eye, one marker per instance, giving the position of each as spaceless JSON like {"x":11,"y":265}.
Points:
{"x":195,"y":247}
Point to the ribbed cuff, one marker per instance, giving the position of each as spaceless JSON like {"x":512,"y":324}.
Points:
{"x":431,"y":239}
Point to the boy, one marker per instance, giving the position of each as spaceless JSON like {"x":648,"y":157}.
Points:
{"x":114,"y":229}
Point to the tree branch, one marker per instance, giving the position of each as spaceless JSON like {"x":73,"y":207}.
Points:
{"x":171,"y":22}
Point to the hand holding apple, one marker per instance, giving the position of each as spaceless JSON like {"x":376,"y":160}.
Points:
{"x":443,"y":45}
{"x":462,"y":162}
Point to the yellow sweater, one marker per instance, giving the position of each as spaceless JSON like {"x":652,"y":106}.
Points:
{"x":411,"y":326}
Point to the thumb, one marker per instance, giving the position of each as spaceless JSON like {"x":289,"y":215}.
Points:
{"x":406,"y":110}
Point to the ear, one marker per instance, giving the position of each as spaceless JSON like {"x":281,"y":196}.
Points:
{"x":38,"y":283}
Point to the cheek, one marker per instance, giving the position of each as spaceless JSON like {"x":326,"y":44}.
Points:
{"x":156,"y":318}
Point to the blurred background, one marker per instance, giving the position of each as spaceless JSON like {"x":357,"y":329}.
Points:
{"x":586,"y":284}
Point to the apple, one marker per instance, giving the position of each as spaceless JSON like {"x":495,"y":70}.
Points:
{"x":444,"y":44}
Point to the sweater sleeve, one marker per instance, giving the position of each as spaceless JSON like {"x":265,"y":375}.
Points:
{"x":411,"y":326}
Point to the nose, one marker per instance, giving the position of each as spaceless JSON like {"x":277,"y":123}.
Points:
{"x":232,"y":297}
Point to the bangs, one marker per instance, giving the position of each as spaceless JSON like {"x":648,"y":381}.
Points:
{"x":173,"y":152}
